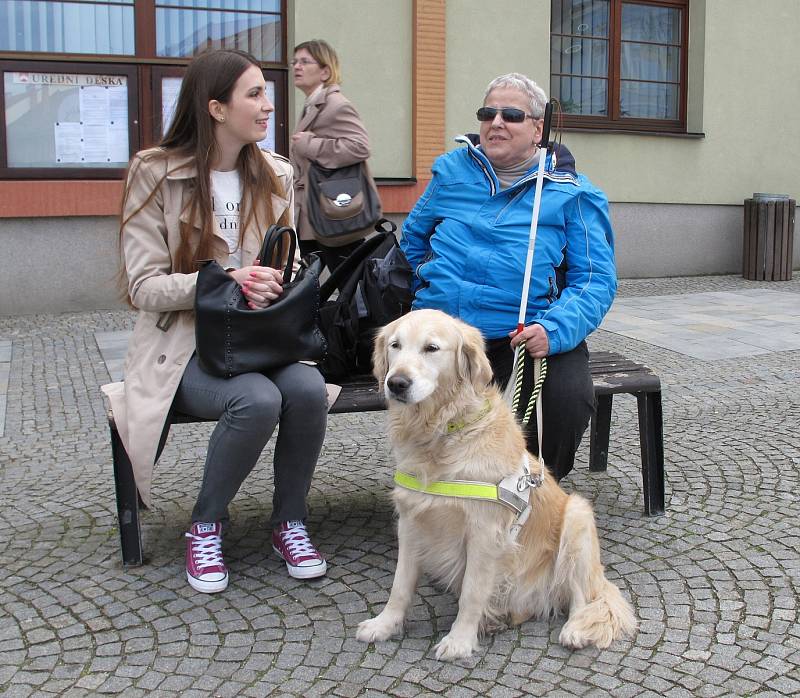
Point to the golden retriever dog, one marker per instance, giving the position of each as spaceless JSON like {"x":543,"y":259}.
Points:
{"x":448,"y":422}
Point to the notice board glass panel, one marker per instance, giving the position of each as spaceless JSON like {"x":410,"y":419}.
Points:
{"x":66,"y":120}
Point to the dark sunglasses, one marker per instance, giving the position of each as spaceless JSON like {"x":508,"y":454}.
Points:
{"x":509,"y":114}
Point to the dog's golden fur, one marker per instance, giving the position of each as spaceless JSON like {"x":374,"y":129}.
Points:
{"x":434,"y":371}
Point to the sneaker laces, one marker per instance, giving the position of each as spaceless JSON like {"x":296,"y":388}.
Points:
{"x":296,"y":540}
{"x":206,"y":550}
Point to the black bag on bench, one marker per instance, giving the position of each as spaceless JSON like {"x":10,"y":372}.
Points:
{"x":374,"y":285}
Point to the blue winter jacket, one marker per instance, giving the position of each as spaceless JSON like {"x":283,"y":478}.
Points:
{"x":467,"y":242}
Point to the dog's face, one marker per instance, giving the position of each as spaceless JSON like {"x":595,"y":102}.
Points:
{"x":427,"y":351}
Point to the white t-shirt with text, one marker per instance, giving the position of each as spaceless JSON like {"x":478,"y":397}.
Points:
{"x":226,"y":197}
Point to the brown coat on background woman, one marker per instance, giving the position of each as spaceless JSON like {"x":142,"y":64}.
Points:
{"x":332,"y":135}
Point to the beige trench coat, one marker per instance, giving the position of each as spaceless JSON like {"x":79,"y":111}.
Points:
{"x":333,"y":136}
{"x":157,"y":358}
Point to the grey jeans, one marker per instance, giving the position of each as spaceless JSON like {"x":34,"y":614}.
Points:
{"x":248,"y":407}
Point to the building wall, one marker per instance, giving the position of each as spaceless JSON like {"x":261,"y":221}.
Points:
{"x":81,"y":257}
{"x":53,"y":265}
{"x":675,"y":201}
{"x":374,"y":42}
{"x":744,"y":69}
{"x":514,"y":36}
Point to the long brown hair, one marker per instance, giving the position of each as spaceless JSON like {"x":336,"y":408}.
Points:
{"x":210,"y":75}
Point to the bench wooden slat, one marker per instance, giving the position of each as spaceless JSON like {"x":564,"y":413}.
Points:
{"x":359,"y":394}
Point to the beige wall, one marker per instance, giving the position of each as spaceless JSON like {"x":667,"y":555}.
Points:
{"x":374,"y":40}
{"x":485,"y":40}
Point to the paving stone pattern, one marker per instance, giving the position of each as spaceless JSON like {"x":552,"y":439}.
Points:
{"x":714,"y":581}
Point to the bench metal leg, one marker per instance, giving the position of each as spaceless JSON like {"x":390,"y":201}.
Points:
{"x":651,"y":438}
{"x":599,"y":434}
{"x":130,"y":536}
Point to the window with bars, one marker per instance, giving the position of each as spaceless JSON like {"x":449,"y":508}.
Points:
{"x":86,"y":83}
{"x":619,"y":63}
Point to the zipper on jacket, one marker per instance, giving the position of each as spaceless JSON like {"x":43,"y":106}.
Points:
{"x":552,"y":293}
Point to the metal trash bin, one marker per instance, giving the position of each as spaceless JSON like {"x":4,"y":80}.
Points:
{"x":768,"y":237}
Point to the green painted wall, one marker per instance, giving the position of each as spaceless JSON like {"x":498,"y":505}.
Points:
{"x":374,"y":42}
{"x":487,"y":39}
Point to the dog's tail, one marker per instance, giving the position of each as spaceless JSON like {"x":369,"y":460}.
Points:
{"x":598,"y":611}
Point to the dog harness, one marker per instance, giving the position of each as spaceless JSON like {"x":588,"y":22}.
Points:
{"x":513,"y":491}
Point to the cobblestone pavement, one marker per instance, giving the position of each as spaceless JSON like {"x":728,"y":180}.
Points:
{"x":715,"y":582}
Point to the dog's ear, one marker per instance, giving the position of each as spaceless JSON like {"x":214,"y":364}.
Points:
{"x":473,"y":366}
{"x":379,"y":359}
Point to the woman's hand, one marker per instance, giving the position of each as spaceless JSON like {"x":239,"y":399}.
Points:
{"x":300,"y":142}
{"x":536,"y":342}
{"x":261,"y":285}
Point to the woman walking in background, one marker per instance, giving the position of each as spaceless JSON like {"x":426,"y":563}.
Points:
{"x":329,"y":133}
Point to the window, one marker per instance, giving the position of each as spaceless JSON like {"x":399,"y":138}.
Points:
{"x":67,"y":112}
{"x":620,"y":63}
{"x":185,"y":27}
{"x":84,"y":26}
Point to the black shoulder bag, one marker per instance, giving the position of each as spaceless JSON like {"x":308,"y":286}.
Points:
{"x":233,"y":338}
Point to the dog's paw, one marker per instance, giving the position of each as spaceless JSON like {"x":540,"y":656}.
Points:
{"x":572,"y":637}
{"x":579,"y":632}
{"x":451,"y":647}
{"x":379,"y":628}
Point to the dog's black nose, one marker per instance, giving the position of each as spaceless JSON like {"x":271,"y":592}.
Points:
{"x":398,"y":384}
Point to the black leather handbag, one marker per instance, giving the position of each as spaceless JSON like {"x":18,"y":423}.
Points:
{"x":233,"y":338}
{"x":341,"y":202}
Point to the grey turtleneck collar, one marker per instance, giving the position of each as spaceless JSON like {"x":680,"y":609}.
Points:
{"x":508,"y":175}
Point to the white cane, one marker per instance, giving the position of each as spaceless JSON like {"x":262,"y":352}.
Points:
{"x":514,"y":386}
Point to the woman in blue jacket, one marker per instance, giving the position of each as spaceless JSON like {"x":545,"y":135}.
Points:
{"x":467,"y":239}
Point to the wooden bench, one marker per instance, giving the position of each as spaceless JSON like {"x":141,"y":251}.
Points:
{"x":611,"y":373}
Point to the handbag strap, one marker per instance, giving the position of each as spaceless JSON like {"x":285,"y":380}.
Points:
{"x":384,"y":227}
{"x":277,"y":240}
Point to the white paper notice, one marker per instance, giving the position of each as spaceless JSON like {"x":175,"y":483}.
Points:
{"x":94,"y":105}
{"x":95,"y":142}
{"x":118,"y":104}
{"x":118,"y":150}
{"x":69,"y":147}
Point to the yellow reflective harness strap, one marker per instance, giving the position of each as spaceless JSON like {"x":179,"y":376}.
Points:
{"x":512,"y":491}
{"x":449,"y":488}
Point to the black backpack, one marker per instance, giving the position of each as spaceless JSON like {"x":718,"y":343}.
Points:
{"x":374,"y":285}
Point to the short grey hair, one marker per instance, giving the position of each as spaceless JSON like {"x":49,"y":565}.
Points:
{"x":524,"y":84}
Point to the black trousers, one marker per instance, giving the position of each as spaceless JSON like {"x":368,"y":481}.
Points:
{"x":332,"y":257}
{"x":568,"y":401}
